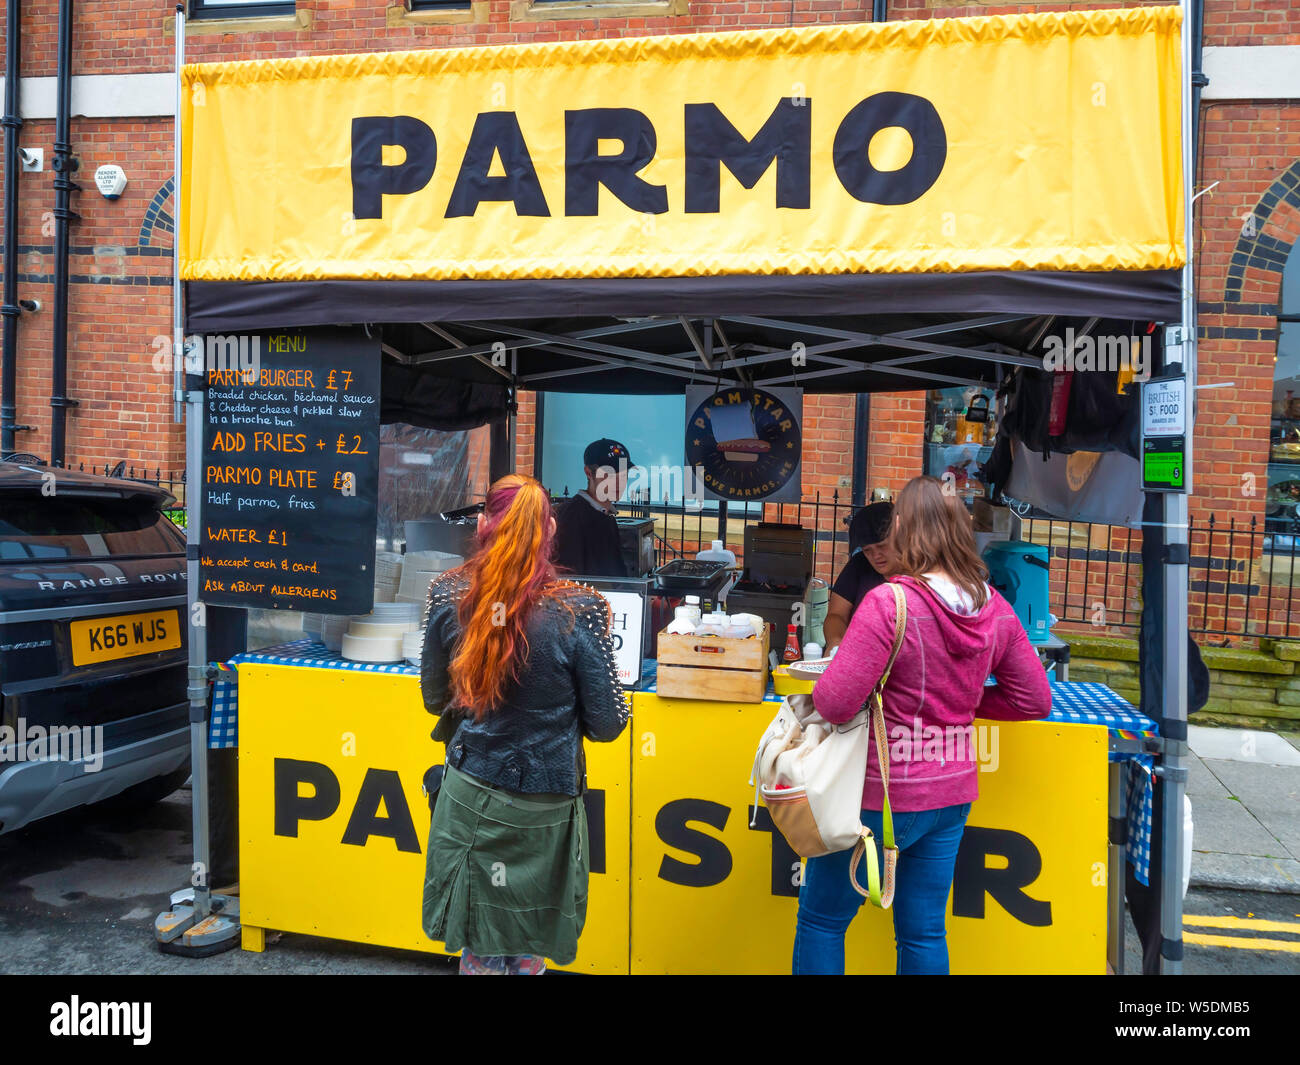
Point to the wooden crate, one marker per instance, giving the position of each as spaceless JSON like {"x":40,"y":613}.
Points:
{"x":713,"y":667}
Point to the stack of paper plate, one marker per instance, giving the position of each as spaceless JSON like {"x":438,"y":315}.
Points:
{"x":367,"y":627}
{"x":333,"y":627}
{"x":388,"y":575}
{"x":311,"y":625}
{"x":413,"y":646}
{"x":420,"y":568}
{"x":404,"y":614}
{"x":377,"y":636}
{"x":372,"y":648}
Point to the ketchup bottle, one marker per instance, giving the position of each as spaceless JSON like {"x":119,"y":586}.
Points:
{"x":792,"y":650}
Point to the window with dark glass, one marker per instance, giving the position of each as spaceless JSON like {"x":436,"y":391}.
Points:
{"x":1283,"y":504}
{"x":33,"y":526}
{"x":226,"y":9}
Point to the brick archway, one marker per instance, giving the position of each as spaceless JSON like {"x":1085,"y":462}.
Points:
{"x":1277,"y":221}
{"x":157,"y":220}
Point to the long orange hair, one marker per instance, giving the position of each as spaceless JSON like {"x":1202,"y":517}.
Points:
{"x":509,"y":573}
{"x":932,"y":531}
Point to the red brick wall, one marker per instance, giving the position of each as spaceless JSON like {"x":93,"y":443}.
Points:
{"x":1247,"y":148}
{"x":895,"y":445}
{"x":133,"y":37}
{"x":119,"y":301}
{"x":525,"y":434}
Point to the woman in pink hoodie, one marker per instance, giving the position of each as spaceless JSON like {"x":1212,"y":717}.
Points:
{"x":959,"y":631}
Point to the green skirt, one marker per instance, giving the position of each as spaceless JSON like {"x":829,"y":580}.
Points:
{"x":505,"y":873}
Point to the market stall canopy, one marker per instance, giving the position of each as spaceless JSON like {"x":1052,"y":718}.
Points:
{"x":905,"y":201}
{"x":663,"y":355}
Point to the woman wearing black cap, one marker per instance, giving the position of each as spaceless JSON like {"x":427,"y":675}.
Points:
{"x":870,"y":557}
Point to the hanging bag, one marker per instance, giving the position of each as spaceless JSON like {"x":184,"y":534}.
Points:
{"x":809,"y":774}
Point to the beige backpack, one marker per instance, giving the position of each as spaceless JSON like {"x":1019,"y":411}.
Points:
{"x":810,"y":772}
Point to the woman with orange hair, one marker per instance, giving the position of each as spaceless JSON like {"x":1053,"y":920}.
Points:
{"x":520,"y":668}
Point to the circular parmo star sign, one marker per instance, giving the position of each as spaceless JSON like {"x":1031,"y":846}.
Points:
{"x":746,"y":441}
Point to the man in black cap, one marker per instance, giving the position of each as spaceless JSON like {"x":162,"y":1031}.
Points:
{"x":871,"y":554}
{"x":586,"y":535}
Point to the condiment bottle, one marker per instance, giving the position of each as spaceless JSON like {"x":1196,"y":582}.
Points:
{"x":690,"y":609}
{"x":792,"y":651}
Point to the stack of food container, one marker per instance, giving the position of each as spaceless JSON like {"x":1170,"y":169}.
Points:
{"x":333,"y":626}
{"x":419,"y":570}
{"x":413,"y":646}
{"x":388,"y":575}
{"x":379,"y":636}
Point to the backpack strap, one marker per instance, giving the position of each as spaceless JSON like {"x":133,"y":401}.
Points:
{"x":882,"y":897}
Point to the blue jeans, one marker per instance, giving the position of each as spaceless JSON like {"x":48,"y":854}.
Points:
{"x":927,"y":851}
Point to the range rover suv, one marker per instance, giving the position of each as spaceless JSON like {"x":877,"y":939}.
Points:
{"x":92,"y":643}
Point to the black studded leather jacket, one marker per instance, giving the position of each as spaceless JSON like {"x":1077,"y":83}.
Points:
{"x":567,"y":690}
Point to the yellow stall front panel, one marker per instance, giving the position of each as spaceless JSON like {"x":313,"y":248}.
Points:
{"x":710,"y":894}
{"x":333,"y":823}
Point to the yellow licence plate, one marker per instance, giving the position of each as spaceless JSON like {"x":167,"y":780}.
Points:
{"x":104,"y":639}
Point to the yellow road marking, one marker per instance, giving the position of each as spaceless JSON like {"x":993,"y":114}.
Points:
{"x":1240,"y":942}
{"x":1257,"y":925}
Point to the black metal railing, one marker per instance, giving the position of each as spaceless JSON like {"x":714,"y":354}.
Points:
{"x":1243,"y":584}
{"x":171,"y":480}
{"x":1242,"y":579}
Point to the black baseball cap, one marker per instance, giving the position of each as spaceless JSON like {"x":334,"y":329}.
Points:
{"x":606,"y":452}
{"x":870,"y":525}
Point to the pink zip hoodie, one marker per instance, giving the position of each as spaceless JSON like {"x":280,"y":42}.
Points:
{"x":938,"y":680}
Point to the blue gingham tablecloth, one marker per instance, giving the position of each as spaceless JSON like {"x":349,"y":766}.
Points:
{"x":1095,"y":704}
{"x":1074,"y":702}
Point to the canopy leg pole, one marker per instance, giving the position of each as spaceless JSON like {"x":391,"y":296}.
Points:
{"x":1173,"y":770}
{"x":198,"y":924}
{"x":1115,"y":871}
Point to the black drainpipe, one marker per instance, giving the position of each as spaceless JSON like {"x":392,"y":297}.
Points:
{"x":1199,"y":80}
{"x":879,"y":10}
{"x":9,"y":309}
{"x":861,"y":443}
{"x":64,"y":167}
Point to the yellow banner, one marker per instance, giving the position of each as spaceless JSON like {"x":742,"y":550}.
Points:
{"x":1013,"y":142}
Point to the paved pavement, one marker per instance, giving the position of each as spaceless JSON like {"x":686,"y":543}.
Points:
{"x":1245,"y":793}
{"x":79,"y":893}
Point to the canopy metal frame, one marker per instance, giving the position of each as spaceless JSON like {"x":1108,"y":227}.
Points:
{"x":698,"y":362}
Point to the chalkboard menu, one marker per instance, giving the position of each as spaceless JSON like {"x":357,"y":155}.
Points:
{"x":290,"y":469}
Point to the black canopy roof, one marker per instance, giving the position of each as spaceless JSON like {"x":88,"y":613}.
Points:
{"x":453,"y":347}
